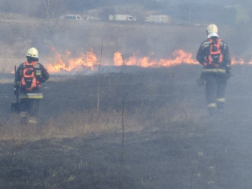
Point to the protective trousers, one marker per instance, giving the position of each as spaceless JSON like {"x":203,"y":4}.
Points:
{"x":29,"y":109}
{"x":215,"y":91}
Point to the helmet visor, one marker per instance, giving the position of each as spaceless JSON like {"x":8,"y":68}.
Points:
{"x":213,"y":35}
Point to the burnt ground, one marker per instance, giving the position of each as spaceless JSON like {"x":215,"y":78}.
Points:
{"x":192,"y":151}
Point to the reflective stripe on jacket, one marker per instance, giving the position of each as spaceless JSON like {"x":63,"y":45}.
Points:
{"x":203,"y":54}
{"x":214,"y":70}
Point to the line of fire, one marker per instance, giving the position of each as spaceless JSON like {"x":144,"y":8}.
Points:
{"x":64,"y":63}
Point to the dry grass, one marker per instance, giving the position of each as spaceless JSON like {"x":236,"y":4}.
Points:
{"x":73,"y":148}
{"x":79,"y":124}
{"x":69,"y":125}
{"x":153,"y":100}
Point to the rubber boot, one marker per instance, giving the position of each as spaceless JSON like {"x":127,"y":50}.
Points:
{"x":32,"y":120}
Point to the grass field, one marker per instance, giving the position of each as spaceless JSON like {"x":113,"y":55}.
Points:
{"x":71,"y":147}
{"x":168,"y":139}
{"x":141,"y":94}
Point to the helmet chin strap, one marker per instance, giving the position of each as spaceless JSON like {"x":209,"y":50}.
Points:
{"x":31,"y":63}
{"x":213,"y":35}
{"x":31,"y":60}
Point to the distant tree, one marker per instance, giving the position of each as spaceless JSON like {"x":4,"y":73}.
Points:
{"x":49,"y":9}
{"x":58,"y":7}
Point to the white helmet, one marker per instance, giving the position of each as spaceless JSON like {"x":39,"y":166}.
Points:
{"x":32,"y":52}
{"x":212,"y":28}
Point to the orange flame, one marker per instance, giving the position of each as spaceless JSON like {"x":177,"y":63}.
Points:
{"x":56,"y":64}
{"x":64,"y":62}
{"x":250,"y":62}
{"x":180,"y":56}
{"x":234,"y":61}
{"x":89,"y":60}
{"x":118,"y":59}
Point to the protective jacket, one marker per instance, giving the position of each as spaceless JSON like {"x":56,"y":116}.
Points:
{"x":206,"y":52}
{"x":213,"y":54}
{"x":29,"y":76}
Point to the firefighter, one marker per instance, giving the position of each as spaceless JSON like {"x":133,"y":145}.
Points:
{"x":28,"y":79}
{"x":213,"y":54}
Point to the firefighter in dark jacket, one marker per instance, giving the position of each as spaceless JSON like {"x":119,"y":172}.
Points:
{"x":213,"y":54}
{"x":28,"y":79}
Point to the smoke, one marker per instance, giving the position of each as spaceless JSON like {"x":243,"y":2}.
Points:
{"x":210,"y":154}
{"x":186,"y":30}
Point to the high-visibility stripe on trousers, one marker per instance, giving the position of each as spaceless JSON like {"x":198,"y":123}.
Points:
{"x":214,"y":70}
{"x":212,"y":105}
{"x":220,"y":103}
{"x":221,"y":100}
{"x":211,"y":108}
{"x":215,"y":88}
{"x":23,"y":114}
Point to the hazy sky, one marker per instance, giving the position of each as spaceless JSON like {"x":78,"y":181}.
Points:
{"x":224,"y":2}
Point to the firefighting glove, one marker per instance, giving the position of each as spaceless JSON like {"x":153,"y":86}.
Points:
{"x":200,"y":80}
{"x":228,"y":68}
{"x":228,"y":71}
{"x":16,"y":91}
{"x":42,"y":80}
